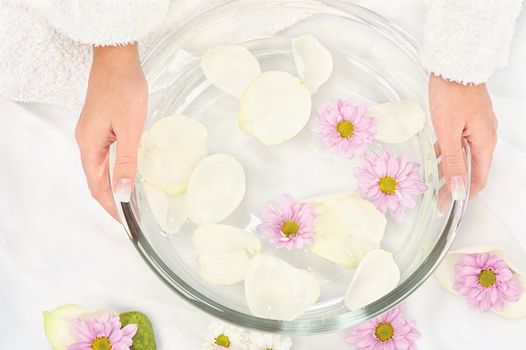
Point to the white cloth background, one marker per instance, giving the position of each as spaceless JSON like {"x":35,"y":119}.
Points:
{"x":57,"y":246}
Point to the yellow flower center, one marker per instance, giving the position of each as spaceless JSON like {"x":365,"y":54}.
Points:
{"x":384,"y":331}
{"x":387,"y":184}
{"x":223,"y":341}
{"x":345,"y":128}
{"x":487,"y":278}
{"x":101,"y":343}
{"x":290,"y":228}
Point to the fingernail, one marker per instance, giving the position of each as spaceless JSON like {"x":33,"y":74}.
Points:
{"x":457,"y":188}
{"x":123,"y":190}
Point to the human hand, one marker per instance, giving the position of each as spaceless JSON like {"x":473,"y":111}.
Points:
{"x":463,"y":111}
{"x":114,"y":110}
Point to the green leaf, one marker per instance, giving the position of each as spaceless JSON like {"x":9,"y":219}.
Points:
{"x":145,"y":338}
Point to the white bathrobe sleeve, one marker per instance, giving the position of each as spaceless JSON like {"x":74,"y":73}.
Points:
{"x":101,"y":22}
{"x":467,"y":40}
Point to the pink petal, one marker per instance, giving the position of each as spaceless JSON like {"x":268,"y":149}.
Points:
{"x":80,"y":346}
{"x":388,"y":345}
{"x":392,"y":166}
{"x":81,"y":331}
{"x":401,"y":344}
{"x":120,"y":347}
{"x":116,"y":335}
{"x":367,"y":341}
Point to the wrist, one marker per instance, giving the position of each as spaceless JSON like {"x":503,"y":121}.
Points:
{"x":438,"y":80}
{"x":116,"y":58}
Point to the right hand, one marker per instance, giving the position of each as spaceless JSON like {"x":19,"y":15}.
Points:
{"x":114,"y":111}
{"x":463,"y":111}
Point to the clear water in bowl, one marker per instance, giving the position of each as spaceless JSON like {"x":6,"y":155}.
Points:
{"x":302,"y":167}
{"x":374,"y":63}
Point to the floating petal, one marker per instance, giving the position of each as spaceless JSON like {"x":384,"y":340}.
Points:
{"x":169,"y":152}
{"x":445,"y":274}
{"x":216,"y":188}
{"x":230,"y":68}
{"x":277,"y":290}
{"x":347,"y":228}
{"x":224,"y":252}
{"x":313,"y":61}
{"x":169,"y":211}
{"x":398,"y":121}
{"x":377,"y":275}
{"x":275,"y":107}
{"x":57,"y":325}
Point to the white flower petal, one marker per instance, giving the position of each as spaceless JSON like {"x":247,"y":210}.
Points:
{"x":445,"y":274}
{"x":516,"y":309}
{"x":169,"y":211}
{"x":377,"y":275}
{"x":217,"y":238}
{"x":230,"y":68}
{"x":358,"y":216}
{"x":223,"y":268}
{"x":274,"y":108}
{"x":57,"y":325}
{"x":264,"y":341}
{"x":236,"y":336}
{"x":169,"y":152}
{"x":347,"y":228}
{"x":215,"y":189}
{"x":224,"y":252}
{"x":276,"y":290}
{"x":398,"y":121}
{"x":313,"y":61}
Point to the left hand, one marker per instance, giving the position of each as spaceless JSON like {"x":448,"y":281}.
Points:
{"x":114,"y":111}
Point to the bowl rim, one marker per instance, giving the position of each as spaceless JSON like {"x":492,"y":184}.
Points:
{"x":299,"y":326}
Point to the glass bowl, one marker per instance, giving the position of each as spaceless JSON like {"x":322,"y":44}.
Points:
{"x":375,"y":62}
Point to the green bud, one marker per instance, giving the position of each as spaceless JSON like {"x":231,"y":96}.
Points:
{"x":145,"y":338}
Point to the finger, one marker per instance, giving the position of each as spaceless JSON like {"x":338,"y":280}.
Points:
{"x":438,"y":155}
{"x":481,"y":159}
{"x":453,"y":165}
{"x":436,"y":147}
{"x":440,"y":171}
{"x":95,"y":163}
{"x":125,"y":167}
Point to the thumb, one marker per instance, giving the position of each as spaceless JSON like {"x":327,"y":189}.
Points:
{"x":125,"y":167}
{"x":453,"y":164}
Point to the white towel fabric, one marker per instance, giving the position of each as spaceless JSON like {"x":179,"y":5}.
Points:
{"x":100,"y":22}
{"x":45,"y":45}
{"x":37,"y":63}
{"x":466,"y":40}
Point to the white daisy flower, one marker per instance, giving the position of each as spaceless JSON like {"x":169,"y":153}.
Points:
{"x":261,"y":341}
{"x":224,"y":336}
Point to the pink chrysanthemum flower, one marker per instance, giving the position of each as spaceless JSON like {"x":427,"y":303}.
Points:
{"x":387,"y":331}
{"x":345,"y":128}
{"x":390,"y":182}
{"x":486,"y":280}
{"x":287,"y":223}
{"x":102,"y":333}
